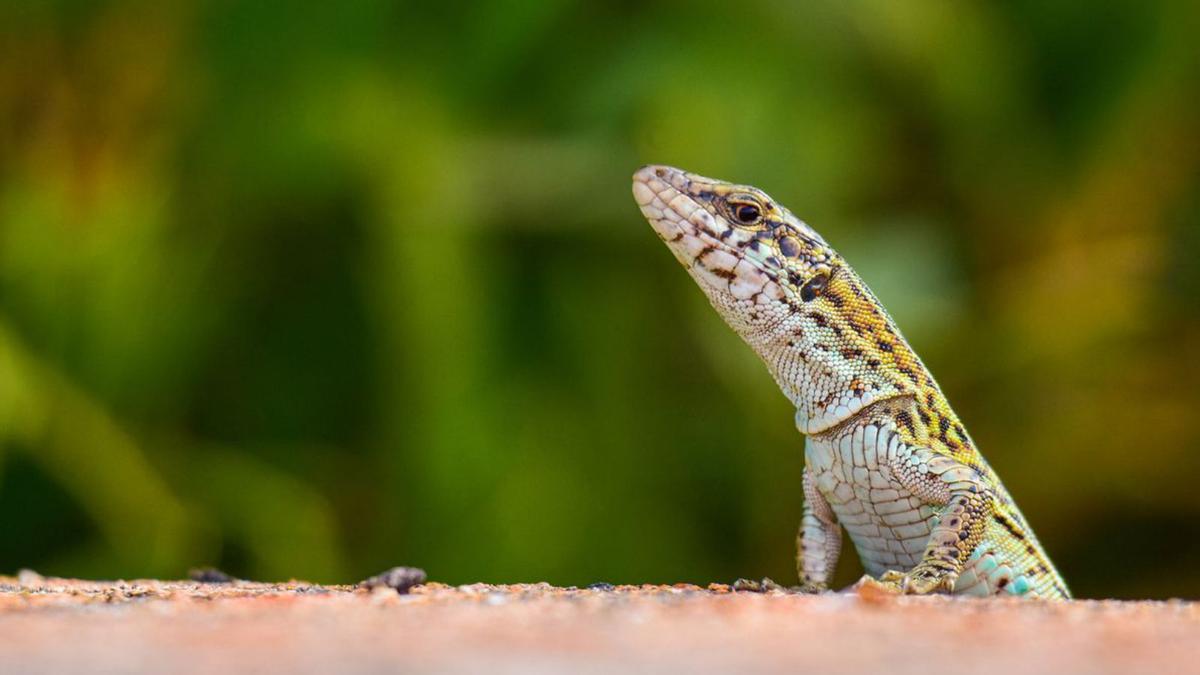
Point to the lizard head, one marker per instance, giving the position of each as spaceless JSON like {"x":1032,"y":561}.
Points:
{"x":779,"y":285}
{"x":753,"y":258}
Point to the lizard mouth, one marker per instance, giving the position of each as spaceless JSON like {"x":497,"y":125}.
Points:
{"x":716,"y":253}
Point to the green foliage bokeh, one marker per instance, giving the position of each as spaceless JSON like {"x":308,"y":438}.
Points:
{"x":313,"y":290}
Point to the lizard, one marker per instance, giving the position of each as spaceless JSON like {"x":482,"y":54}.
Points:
{"x":886,"y":458}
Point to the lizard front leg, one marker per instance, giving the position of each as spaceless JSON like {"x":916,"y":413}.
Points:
{"x":967,"y":502}
{"x":819,"y":541}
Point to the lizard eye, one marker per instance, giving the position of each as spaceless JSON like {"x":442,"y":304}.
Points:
{"x":746,"y":214}
{"x":814,"y":286}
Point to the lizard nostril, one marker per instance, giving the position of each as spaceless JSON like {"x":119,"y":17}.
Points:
{"x":660,"y":172}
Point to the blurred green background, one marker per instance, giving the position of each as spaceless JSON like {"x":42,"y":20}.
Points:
{"x":311,"y":291}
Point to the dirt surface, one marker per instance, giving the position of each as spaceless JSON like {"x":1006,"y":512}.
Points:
{"x":52,"y":625}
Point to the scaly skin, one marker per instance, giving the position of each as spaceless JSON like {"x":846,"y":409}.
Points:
{"x":886,"y":458}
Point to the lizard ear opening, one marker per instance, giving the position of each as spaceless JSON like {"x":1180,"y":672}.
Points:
{"x":814,"y":286}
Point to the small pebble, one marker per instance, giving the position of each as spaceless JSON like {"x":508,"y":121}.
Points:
{"x":401,"y":579}
{"x":29,"y":578}
{"x":209,"y":575}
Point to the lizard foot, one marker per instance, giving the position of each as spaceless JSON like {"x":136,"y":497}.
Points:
{"x":810,"y":588}
{"x":918,"y":581}
{"x":872,"y":588}
{"x":766,"y":585}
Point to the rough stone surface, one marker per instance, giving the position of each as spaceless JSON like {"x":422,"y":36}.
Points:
{"x":52,"y":625}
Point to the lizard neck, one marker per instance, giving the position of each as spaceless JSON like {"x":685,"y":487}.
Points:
{"x":826,"y":390}
{"x":833,"y":358}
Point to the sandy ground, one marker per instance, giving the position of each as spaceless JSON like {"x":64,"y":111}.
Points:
{"x":52,"y":625}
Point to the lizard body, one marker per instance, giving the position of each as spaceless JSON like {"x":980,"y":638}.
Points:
{"x":886,"y":458}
